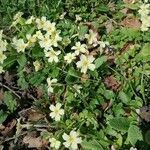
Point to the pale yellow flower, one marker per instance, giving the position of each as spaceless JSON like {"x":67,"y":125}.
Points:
{"x":46,"y":42}
{"x":55,"y":38}
{"x":30,"y":20}
{"x":54,"y":143}
{"x":41,"y":23}
{"x":79,"y":48}
{"x":2,"y":57}
{"x":85,"y":63}
{"x":144,"y":9}
{"x":52,"y":55}
{"x":19,"y":45}
{"x":50,"y":84}
{"x":37,"y":65}
{"x":50,"y":27}
{"x":69,"y":57}
{"x":72,"y":140}
{"x":91,"y":37}
{"x":57,"y":111}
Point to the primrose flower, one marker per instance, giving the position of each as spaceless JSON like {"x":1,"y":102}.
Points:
{"x":55,"y":38}
{"x":2,"y":57}
{"x":69,"y":57}
{"x":3,"y":44}
{"x":91,"y":37}
{"x":79,"y":48}
{"x":144,"y":9}
{"x":50,"y":83}
{"x":30,"y":20}
{"x":1,"y":70}
{"x":19,"y":44}
{"x":54,"y":143}
{"x":50,"y":27}
{"x":39,"y":35}
{"x":72,"y":140}
{"x":37,"y":65}
{"x":52,"y":55}
{"x":31,"y":39}
{"x":45,"y":42}
{"x":16,"y":18}
{"x":78,"y":18}
{"x":41,"y":23}
{"x":85,"y":63}
{"x":57,"y":112}
{"x":103,"y":44}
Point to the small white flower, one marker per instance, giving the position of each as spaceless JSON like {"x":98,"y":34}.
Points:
{"x":55,"y":38}
{"x":79,"y":48}
{"x":31,"y":39}
{"x":37,"y":65}
{"x":54,"y":143}
{"x":85,"y":63}
{"x":2,"y":57}
{"x":103,"y":44}
{"x":39,"y":35}
{"x":72,"y":140}
{"x":45,"y":42}
{"x":144,"y":9}
{"x":18,"y":15}
{"x":30,"y":20}
{"x":78,"y":18}
{"x":132,"y":148}
{"x":3,"y":44}
{"x":19,"y":44}
{"x":50,"y":27}
{"x":91,"y":37}
{"x":113,"y":148}
{"x":52,"y":55}
{"x":69,"y":57}
{"x":41,"y":23}
{"x":1,"y":70}
{"x":57,"y":112}
{"x":50,"y":83}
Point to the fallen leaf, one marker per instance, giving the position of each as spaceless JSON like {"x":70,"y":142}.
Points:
{"x":34,"y":142}
{"x":109,"y":26}
{"x":131,"y":23}
{"x":31,"y":114}
{"x":8,"y":130}
{"x":112,"y":83}
{"x":127,"y":46}
{"x":84,"y":77}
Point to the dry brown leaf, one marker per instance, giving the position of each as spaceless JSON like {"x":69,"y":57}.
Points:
{"x":125,"y":11}
{"x":33,"y":142}
{"x":8,"y":131}
{"x":127,"y":46}
{"x":31,"y":114}
{"x":8,"y":78}
{"x":109,"y":26}
{"x":84,"y":77}
{"x":131,"y":23}
{"x":112,"y":83}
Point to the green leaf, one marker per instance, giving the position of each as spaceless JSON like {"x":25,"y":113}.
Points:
{"x":99,"y":61}
{"x":134,"y":134}
{"x":22,"y":60}
{"x":147,"y":137}
{"x":120,"y":124}
{"x":91,"y":145}
{"x":124,"y":97}
{"x":10,"y":102}
{"x":3,"y":116}
{"x":10,"y":60}
{"x":72,"y":76}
